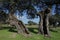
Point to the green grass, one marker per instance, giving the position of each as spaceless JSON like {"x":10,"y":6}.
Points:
{"x":7,"y":35}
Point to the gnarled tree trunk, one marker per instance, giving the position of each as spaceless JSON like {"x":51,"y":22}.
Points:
{"x":44,"y":22}
{"x":25,"y":30}
{"x":19,"y":24}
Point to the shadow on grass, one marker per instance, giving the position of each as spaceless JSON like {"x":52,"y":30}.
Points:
{"x":33,"y":30}
{"x":53,"y":30}
{"x":10,"y":29}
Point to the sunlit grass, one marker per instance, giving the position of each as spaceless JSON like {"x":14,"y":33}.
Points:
{"x":5,"y":34}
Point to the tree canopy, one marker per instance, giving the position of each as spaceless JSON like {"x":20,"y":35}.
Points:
{"x":27,"y":5}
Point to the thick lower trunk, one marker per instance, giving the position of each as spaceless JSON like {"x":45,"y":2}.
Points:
{"x":20,"y":27}
{"x":19,"y":30}
{"x":19,"y":24}
{"x":25,"y":30}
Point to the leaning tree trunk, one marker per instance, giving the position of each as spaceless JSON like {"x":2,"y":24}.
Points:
{"x":14,"y":21}
{"x":25,"y":30}
{"x":19,"y":25}
{"x":40,"y":24}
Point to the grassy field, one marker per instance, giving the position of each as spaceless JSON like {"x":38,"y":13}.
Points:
{"x":5,"y":34}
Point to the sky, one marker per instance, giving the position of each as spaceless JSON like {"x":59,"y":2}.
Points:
{"x":25,"y":20}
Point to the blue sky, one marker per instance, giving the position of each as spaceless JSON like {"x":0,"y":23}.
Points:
{"x":25,"y":20}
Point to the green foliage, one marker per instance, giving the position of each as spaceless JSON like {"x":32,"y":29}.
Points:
{"x":53,"y":19}
{"x":31,"y":23}
{"x":22,"y":5}
{"x":3,"y":17}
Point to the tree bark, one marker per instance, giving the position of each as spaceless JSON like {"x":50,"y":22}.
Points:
{"x":44,"y":22}
{"x":25,"y":30}
{"x":18,"y":27}
{"x":44,"y":25}
{"x":19,"y":24}
{"x":40,"y":25}
{"x":47,"y":25}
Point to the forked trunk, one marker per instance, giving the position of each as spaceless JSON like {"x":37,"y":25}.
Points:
{"x":44,"y":22}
